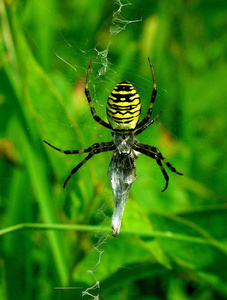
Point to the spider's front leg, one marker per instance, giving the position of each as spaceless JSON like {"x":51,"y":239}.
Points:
{"x":153,"y":152}
{"x":93,"y":152}
{"x":93,"y":149}
{"x":89,"y":149}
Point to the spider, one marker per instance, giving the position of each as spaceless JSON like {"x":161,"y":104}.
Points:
{"x":123,"y":112}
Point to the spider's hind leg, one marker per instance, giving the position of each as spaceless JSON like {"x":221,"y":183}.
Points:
{"x":141,"y":129}
{"x":88,"y":96}
{"x":153,"y":96}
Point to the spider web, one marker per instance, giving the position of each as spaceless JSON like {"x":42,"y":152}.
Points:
{"x":102,"y":67}
{"x":118,"y":24}
{"x":100,"y":56}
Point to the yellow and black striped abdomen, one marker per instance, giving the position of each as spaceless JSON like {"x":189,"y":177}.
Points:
{"x":123,"y":107}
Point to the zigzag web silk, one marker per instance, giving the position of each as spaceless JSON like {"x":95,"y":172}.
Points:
{"x":119,"y":23}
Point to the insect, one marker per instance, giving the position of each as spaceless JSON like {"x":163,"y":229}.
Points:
{"x":123,"y":112}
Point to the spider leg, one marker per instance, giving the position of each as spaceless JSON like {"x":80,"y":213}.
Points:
{"x":147,"y":124}
{"x":158,"y":160}
{"x":153,"y":96}
{"x":103,"y":148}
{"x":145,"y":149}
{"x":88,"y":95}
{"x":159,"y":154}
{"x":89,"y":149}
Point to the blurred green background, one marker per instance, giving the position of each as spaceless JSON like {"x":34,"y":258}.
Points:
{"x":172,"y":245}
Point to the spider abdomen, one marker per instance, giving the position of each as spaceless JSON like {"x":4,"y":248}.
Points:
{"x":123,"y":107}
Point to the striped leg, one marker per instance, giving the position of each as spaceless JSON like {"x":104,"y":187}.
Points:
{"x":89,"y":149}
{"x":88,"y":95}
{"x":93,"y":152}
{"x":145,"y":149}
{"x":147,"y":124}
{"x":152,"y":155}
{"x":153,"y":96}
{"x":93,"y":149}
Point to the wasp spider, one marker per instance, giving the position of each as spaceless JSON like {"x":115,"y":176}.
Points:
{"x":123,"y":112}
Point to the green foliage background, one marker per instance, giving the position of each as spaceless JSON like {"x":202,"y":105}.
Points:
{"x":172,"y":245}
